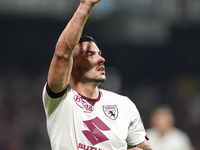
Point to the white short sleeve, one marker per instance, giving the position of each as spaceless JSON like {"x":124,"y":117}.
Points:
{"x":136,"y":131}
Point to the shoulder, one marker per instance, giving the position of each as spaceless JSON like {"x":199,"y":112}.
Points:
{"x":48,"y":94}
{"x":179,"y":133}
{"x":117,"y":98}
{"x":52,"y":101}
{"x":110,"y":94}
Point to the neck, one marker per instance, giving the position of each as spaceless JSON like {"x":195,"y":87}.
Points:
{"x":89,"y":90}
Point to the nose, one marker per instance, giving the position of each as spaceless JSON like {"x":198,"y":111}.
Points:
{"x":101,"y":60}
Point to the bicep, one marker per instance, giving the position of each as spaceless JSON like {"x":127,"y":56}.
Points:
{"x":59,"y":71}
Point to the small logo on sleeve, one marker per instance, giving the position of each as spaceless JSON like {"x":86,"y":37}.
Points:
{"x":111,"y":111}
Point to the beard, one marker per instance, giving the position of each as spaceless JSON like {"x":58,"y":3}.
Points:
{"x":98,"y":80}
{"x":101,"y":80}
{"x":90,"y":75}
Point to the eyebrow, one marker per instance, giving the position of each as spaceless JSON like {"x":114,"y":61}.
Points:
{"x":91,"y":51}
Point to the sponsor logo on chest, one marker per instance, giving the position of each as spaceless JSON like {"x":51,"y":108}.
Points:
{"x":87,"y":107}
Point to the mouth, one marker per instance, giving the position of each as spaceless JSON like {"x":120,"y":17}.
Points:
{"x":101,"y":69}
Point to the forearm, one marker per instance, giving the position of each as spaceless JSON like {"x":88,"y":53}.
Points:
{"x":71,"y":34}
{"x":144,"y":146}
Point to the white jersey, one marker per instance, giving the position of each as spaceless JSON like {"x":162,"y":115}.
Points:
{"x":112,"y":123}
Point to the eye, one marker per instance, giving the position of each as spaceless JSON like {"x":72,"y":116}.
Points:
{"x":89,"y":54}
{"x":100,"y":53}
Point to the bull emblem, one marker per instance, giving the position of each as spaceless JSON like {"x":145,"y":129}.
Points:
{"x":111,"y":111}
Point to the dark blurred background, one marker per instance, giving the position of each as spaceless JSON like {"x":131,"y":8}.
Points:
{"x":152,"y":52}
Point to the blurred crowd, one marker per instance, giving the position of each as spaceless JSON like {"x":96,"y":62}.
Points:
{"x":171,"y":28}
{"x":181,"y":93}
{"x":22,"y":118}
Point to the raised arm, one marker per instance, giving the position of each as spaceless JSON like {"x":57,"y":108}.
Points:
{"x":62,"y":61}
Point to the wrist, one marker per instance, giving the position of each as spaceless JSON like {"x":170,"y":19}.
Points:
{"x":87,"y":4}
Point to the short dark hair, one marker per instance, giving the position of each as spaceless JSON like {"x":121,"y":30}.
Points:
{"x":85,"y":38}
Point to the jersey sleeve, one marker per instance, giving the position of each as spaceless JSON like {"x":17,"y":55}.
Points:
{"x":136,"y":131}
{"x":52,"y":100}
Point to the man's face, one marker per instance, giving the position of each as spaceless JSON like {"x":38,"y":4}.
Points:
{"x":162,"y":120}
{"x":88,"y":63}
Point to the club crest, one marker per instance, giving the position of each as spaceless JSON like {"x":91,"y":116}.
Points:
{"x":111,"y":111}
